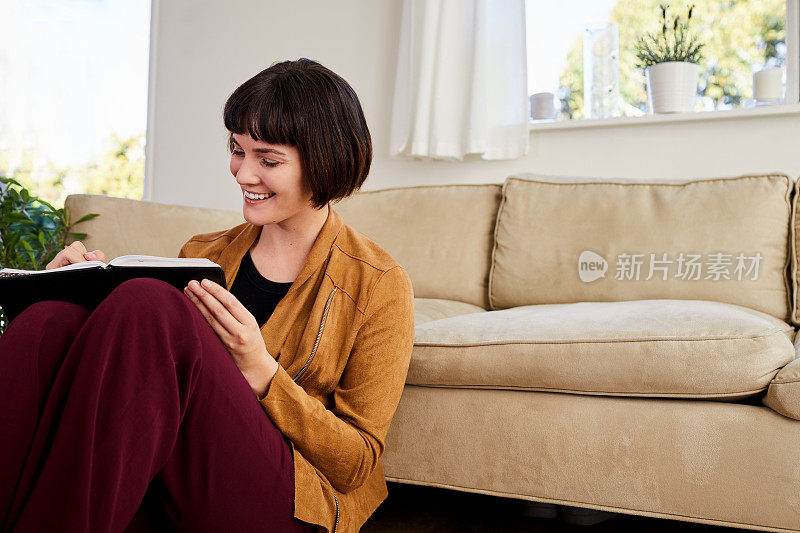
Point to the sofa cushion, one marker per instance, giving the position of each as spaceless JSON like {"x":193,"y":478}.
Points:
{"x":664,"y":348}
{"x":128,"y":226}
{"x":783,"y":394}
{"x":430,"y":309}
{"x":724,"y":239}
{"x":441,"y":234}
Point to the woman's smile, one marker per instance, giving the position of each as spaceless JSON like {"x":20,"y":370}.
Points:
{"x":248,"y":199}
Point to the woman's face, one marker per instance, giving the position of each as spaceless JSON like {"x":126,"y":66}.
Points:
{"x":269,"y":168}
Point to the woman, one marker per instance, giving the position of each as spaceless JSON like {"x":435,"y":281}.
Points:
{"x":263,"y":405}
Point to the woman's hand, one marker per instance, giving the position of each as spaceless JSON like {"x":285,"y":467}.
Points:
{"x":238,"y":330}
{"x":75,"y":253}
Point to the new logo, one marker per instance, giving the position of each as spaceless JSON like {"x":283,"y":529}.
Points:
{"x":591,"y":266}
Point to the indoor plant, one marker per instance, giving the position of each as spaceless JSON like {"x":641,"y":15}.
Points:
{"x":670,"y":59}
{"x":32,"y":231}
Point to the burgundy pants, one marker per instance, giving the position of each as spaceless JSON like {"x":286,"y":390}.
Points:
{"x":134,"y":417}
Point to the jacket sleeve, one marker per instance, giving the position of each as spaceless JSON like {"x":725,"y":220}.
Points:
{"x":346,"y":442}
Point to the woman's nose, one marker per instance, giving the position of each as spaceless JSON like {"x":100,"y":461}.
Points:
{"x":246,"y":174}
{"x":243,"y":176}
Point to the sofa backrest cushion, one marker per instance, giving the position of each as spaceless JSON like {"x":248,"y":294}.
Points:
{"x":563,"y":241}
{"x":441,"y":234}
{"x":128,"y":226}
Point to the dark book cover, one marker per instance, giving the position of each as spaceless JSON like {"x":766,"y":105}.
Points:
{"x":89,"y":286}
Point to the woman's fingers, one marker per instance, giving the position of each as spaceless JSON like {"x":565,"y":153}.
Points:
{"x":79,"y":247}
{"x":217,"y":309}
{"x":75,"y":253}
{"x":54,"y":263}
{"x":58,"y":260}
{"x":233,"y":305}
{"x":70,"y":254}
{"x":95,"y":255}
{"x":215,"y":325}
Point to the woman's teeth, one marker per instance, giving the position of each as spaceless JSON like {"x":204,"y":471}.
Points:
{"x":257,"y":196}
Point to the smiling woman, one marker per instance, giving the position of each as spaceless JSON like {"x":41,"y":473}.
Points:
{"x":298,"y":142}
{"x":308,"y":118}
{"x":263,"y":401}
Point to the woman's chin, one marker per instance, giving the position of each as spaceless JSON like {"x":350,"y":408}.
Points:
{"x":253,"y":218}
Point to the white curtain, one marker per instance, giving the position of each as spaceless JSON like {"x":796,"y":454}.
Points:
{"x":461,"y":84}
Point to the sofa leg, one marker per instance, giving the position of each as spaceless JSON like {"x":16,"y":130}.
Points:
{"x":579,"y":516}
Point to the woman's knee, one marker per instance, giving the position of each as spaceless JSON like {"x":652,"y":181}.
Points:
{"x":144,"y":285}
{"x":146,"y":315}
{"x":42,"y":333}
{"x":147,"y":296}
{"x":50,"y":316}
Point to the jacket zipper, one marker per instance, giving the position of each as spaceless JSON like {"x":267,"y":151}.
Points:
{"x":319,"y":334}
{"x":308,"y":362}
{"x":336,"y":524}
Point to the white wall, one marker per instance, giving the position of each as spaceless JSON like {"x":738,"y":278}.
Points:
{"x":203,"y":50}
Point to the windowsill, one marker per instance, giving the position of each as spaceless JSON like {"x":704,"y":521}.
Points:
{"x":781,"y":109}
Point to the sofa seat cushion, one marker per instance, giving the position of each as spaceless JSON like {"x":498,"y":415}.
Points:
{"x":653,"y":348}
{"x":430,"y":309}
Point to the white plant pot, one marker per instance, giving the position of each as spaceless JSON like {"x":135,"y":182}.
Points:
{"x":672,"y":86}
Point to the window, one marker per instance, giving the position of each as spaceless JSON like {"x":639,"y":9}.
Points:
{"x":741,"y":37}
{"x":73,"y":96}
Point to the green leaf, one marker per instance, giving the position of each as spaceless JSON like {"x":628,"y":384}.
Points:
{"x":87,"y":217}
{"x":14,"y":217}
{"x":32,"y":230}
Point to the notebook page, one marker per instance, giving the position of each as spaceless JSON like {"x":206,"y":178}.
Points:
{"x":156,"y":261}
{"x":73,"y":266}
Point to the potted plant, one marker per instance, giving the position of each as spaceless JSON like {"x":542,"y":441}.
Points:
{"x":670,"y":59}
{"x":32,"y":231}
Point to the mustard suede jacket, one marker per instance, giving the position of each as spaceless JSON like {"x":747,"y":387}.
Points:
{"x":342,"y":336}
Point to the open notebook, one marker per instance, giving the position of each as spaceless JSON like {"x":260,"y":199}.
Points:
{"x":87,"y":283}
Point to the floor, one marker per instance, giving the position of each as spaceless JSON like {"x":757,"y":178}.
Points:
{"x":420,"y":509}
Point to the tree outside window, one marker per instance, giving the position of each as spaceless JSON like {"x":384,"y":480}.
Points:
{"x":73,"y":96}
{"x":741,"y":36}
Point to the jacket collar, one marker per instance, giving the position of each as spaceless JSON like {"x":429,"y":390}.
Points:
{"x":232,"y":255}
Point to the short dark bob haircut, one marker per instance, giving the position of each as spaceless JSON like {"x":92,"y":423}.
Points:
{"x":305,"y":105}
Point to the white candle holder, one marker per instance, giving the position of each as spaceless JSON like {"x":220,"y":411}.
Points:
{"x":767,"y":88}
{"x":543,"y":107}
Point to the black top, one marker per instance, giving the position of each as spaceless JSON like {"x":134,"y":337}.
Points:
{"x":258,"y":294}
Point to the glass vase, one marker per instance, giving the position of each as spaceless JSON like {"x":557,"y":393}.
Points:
{"x":601,"y":70}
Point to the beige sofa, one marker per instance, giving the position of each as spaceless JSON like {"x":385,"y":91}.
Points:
{"x":608,"y":344}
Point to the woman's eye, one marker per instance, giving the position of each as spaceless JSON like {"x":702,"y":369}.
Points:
{"x":264,"y":162}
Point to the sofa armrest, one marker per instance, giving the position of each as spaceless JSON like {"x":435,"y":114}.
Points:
{"x":127,"y":226}
{"x":783,"y":394}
